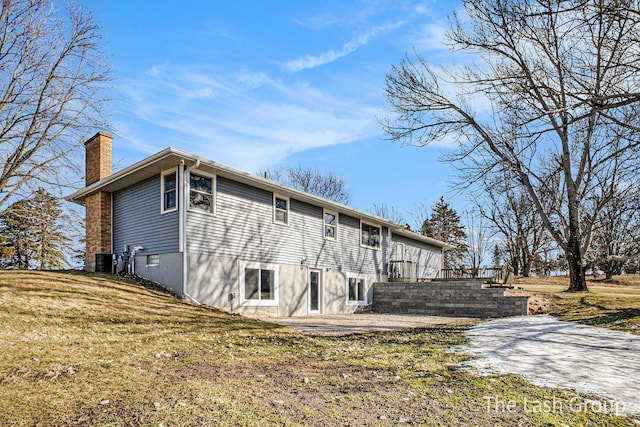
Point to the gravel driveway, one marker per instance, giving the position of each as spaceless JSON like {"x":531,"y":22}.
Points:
{"x":568,"y":355}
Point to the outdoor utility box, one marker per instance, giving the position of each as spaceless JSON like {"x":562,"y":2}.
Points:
{"x":104,"y":262}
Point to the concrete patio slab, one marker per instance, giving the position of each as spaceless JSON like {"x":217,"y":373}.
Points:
{"x":549,"y":352}
{"x":353,"y":323}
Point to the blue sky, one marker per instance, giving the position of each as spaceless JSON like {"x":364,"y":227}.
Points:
{"x":260,"y":84}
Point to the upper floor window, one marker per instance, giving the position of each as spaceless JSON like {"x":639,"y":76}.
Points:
{"x":169,"y":188}
{"x":280,"y":209}
{"x":330,"y":225}
{"x":370,"y":235}
{"x":201,"y":195}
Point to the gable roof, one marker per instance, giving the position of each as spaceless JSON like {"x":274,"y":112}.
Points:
{"x":170,"y":157}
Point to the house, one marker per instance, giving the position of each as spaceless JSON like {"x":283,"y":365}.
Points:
{"x":230,"y":239}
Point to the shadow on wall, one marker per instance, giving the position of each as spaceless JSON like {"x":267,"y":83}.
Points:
{"x":217,"y":245}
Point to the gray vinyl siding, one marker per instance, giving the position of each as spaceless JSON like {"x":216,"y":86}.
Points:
{"x":428,"y":257}
{"x":243,"y":228}
{"x":137,"y":219}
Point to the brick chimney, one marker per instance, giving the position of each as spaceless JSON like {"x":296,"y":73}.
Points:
{"x":98,"y":205}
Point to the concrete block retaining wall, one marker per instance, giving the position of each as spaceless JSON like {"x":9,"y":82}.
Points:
{"x":446,"y":298}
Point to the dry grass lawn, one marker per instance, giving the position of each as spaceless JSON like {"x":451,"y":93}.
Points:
{"x":82,"y":349}
{"x":614,"y":305}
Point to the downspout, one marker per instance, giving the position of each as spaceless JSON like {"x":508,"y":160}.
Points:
{"x":113,"y":250}
{"x":183,"y":173}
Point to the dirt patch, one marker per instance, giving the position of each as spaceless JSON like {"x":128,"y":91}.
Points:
{"x":539,"y":303}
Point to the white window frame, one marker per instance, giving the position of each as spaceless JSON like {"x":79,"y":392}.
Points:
{"x":377,"y":247}
{"x":325,"y":225}
{"x":288,"y":210}
{"x":153,"y":260}
{"x":163,"y":174}
{"x":214,"y":197}
{"x":357,"y":278}
{"x":243,"y":265}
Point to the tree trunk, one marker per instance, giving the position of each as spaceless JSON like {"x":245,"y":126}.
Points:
{"x":577,"y":278}
{"x":527,"y":259}
{"x":608,"y":275}
{"x":515,"y":264}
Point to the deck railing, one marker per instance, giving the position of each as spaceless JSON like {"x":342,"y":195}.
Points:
{"x":403,"y":271}
{"x":488,"y":273}
{"x":407,"y":271}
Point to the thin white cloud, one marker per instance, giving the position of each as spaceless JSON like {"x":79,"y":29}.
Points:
{"x":431,"y":37}
{"x":247,"y":120}
{"x":253,"y":80}
{"x":156,"y":70}
{"x":318,"y":22}
{"x":329,"y":56}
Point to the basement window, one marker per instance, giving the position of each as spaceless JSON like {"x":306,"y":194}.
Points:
{"x":153,"y":260}
{"x":259,"y":284}
{"x":356,"y":291}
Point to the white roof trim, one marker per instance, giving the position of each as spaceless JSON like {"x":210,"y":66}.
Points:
{"x":255,"y":181}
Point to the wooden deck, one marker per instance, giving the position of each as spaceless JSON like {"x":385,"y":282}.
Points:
{"x":407,"y":272}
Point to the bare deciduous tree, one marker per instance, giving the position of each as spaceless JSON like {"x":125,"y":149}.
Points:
{"x":616,"y":240}
{"x":388,"y":212}
{"x":313,"y":181}
{"x":513,"y":220}
{"x":51,"y":74}
{"x":418,"y":212}
{"x":478,"y":237}
{"x":559,"y":85}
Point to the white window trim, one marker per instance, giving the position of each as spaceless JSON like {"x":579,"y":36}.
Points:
{"x":275,"y":221}
{"x":148,"y":264}
{"x":214,"y":195}
{"x":375,"y":248}
{"x":366,"y":290}
{"x":242,"y":265}
{"x":162,"y":175}
{"x":324,"y":225}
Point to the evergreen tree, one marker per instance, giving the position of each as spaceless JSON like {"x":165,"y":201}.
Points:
{"x":496,"y":260}
{"x":31,"y":234}
{"x":16,"y":236}
{"x":444,"y":225}
{"x":49,"y":236}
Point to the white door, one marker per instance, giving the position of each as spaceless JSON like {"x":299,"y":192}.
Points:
{"x":315,"y":291}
